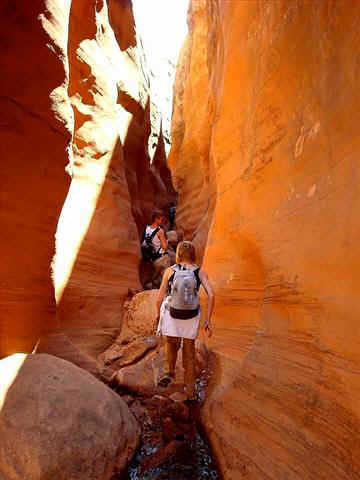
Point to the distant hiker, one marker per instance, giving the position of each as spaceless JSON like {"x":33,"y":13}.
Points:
{"x":179,"y":313}
{"x":154,"y":247}
{"x":172,"y":215}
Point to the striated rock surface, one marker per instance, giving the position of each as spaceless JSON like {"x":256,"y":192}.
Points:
{"x":59,"y":422}
{"x":34,"y":134}
{"x":190,"y":158}
{"x":97,"y":241}
{"x":80,"y":99}
{"x":114,"y":189}
{"x":276,"y":88}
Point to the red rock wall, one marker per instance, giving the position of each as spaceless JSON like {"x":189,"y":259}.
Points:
{"x":33,"y":141}
{"x":193,"y":116}
{"x":283,"y":250}
{"x":74,"y":84}
{"x":114,"y":188}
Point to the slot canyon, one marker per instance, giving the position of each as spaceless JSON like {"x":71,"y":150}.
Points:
{"x":262,"y":162}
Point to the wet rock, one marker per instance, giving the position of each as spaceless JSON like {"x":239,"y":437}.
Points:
{"x":178,"y":411}
{"x":178,"y":397}
{"x":171,"y":446}
{"x":174,"y":451}
{"x":161,"y":401}
{"x":171,"y":430}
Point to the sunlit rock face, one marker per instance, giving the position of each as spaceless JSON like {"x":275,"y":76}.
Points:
{"x":34,"y":135}
{"x":190,"y":157}
{"x":76,"y":96}
{"x":275,"y":85}
{"x":114,"y":190}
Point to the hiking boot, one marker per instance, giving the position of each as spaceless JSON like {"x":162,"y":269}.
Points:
{"x":165,"y":380}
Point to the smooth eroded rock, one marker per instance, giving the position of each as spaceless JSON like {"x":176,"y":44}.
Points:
{"x":268,"y":98}
{"x":58,"y":422}
{"x":114,"y":189}
{"x":34,"y":136}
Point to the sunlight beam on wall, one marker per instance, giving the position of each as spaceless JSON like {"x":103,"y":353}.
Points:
{"x":9,"y":367}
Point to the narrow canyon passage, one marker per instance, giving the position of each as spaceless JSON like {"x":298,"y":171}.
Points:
{"x":261,"y":154}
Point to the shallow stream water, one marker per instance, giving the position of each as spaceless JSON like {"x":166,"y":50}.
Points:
{"x":197,"y":465}
{"x":172,"y":447}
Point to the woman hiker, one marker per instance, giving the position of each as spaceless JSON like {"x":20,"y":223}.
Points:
{"x":179,"y":313}
{"x":156,"y":249}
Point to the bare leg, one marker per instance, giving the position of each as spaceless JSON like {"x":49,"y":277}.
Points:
{"x":172,"y":346}
{"x":189,"y":365}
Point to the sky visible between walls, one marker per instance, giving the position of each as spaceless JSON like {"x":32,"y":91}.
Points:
{"x":162,"y":27}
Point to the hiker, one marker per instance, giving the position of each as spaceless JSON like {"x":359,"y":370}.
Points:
{"x":179,"y":313}
{"x":172,"y":215}
{"x":155,"y":248}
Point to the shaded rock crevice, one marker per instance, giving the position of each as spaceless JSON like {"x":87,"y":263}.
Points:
{"x":34,"y":155}
{"x":192,"y":123}
{"x":64,"y":133}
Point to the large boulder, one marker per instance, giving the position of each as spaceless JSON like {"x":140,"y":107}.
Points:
{"x":140,"y":314}
{"x":58,"y":422}
{"x":59,"y":345}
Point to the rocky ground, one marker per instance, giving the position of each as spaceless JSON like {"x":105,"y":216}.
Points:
{"x":171,"y":445}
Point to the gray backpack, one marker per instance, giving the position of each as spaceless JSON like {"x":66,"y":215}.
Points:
{"x":184,"y":287}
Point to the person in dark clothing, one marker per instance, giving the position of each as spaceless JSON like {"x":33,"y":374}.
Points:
{"x":164,"y":256}
{"x":172,"y":215}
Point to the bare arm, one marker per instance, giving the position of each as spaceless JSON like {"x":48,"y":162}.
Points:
{"x":211,"y":300}
{"x":162,"y":238}
{"x":162,"y":290}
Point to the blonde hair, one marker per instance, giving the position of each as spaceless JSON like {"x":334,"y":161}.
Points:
{"x":185,"y":251}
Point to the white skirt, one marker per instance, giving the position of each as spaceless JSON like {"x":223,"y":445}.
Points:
{"x":174,"y":327}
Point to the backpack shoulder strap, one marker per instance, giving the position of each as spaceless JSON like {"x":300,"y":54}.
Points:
{"x":172,"y":276}
{"x":197,"y":276}
{"x":154,"y":232}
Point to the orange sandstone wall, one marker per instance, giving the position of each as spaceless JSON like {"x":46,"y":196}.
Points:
{"x":282,"y":89}
{"x":190,"y":158}
{"x":113,"y":189}
{"x":34,"y":135}
{"x":75,"y":93}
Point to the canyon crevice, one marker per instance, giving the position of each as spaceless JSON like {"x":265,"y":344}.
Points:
{"x":264,"y":162}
